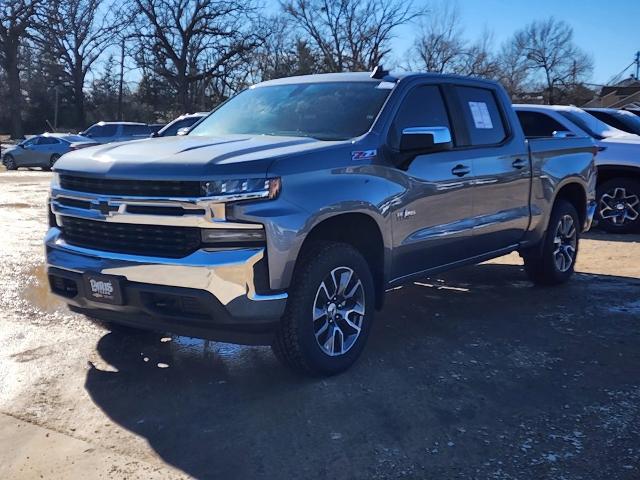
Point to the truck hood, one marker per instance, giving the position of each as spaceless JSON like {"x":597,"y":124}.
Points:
{"x":619,"y":151}
{"x":187,"y":157}
{"x":628,"y":139}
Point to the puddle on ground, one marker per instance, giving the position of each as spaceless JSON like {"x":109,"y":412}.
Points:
{"x":37,"y":293}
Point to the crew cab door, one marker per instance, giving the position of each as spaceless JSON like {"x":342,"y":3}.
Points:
{"x":501,"y":169}
{"x":432,"y":218}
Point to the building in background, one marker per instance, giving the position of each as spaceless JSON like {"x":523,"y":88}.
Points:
{"x":624,"y":94}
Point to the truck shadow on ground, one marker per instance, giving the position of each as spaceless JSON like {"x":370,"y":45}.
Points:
{"x":460,"y":371}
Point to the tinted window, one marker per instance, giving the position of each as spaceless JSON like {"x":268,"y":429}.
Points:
{"x":482,"y":116}
{"x":75,"y":138}
{"x":135,"y":130}
{"x":422,"y":107}
{"x":326,"y":111}
{"x":608,"y":119}
{"x":590,"y":124}
{"x":47,"y":141}
{"x":31,"y":141}
{"x":535,"y":124}
{"x":623,"y":120}
{"x":102,"y":131}
{"x":172,"y":129}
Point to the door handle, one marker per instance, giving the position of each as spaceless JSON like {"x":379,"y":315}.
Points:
{"x":519,"y":163}
{"x":460,"y":170}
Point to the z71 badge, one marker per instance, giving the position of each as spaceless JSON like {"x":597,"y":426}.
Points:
{"x":363,"y":154}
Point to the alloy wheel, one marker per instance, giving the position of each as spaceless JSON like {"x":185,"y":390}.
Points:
{"x":565,"y":243}
{"x":619,"y":207}
{"x":338,"y":311}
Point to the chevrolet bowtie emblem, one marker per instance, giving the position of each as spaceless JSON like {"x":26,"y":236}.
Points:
{"x":104,"y":207}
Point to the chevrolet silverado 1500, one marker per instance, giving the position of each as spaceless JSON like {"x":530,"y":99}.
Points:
{"x":284,"y":216}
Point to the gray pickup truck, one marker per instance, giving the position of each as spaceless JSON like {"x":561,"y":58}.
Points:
{"x":284,"y":216}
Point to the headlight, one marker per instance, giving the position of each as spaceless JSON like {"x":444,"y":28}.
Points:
{"x":55,"y":180}
{"x":242,"y":188}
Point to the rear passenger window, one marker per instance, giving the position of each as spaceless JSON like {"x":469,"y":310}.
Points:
{"x":535,"y":124}
{"x":47,"y":141}
{"x":422,"y":107}
{"x":482,"y":116}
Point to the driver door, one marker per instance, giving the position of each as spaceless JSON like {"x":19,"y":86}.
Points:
{"x":432,"y":219}
{"x":28,"y":156}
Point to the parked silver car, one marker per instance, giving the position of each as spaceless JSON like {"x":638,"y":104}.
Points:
{"x":43,"y":150}
{"x":107,"y":132}
{"x":618,"y":159}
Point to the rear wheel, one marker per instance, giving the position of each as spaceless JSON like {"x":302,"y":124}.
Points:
{"x":329,"y":312}
{"x":619,"y":205}
{"x":554,"y":261}
{"x":10,"y":162}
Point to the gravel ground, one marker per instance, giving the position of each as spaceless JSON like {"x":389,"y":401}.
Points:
{"x":471,"y":374}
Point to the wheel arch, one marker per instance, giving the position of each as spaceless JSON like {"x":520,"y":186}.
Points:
{"x":576,"y":194}
{"x":361,"y":231}
{"x":607,"y":172}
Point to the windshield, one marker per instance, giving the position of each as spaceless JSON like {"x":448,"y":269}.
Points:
{"x":629,"y":120}
{"x":75,"y":138}
{"x":325,"y":111}
{"x":590,"y":124}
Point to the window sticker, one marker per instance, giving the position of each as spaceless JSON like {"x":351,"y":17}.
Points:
{"x":480,"y":113}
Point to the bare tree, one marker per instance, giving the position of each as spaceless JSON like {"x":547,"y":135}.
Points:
{"x":77,"y":32}
{"x":513,"y":70}
{"x":17,"y":17}
{"x":442,"y":48}
{"x":283,"y":53}
{"x":549,"y":51}
{"x":350,"y":34}
{"x":439,"y":47}
{"x":191,"y":42}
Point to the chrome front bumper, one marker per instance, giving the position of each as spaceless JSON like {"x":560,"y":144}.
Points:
{"x":228,"y":275}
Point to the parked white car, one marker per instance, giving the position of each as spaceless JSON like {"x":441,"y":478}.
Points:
{"x":618,"y":159}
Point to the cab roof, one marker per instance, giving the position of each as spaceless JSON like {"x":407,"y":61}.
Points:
{"x":363,"y":77}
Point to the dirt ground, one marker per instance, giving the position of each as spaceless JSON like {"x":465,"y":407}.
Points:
{"x":472,"y":374}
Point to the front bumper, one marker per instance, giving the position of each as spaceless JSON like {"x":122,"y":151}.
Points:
{"x":208,"y":294}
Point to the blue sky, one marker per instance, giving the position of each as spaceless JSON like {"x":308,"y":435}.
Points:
{"x":609,"y":30}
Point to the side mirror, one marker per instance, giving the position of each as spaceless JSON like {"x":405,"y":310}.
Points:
{"x":182,"y":131}
{"x":426,"y":139}
{"x":563,"y":134}
{"x":154,"y":135}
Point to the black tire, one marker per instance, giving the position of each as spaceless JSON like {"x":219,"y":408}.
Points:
{"x":541,"y":263}
{"x":295,"y":344}
{"x":10,"y":162}
{"x":618,"y":209}
{"x":52,"y":161}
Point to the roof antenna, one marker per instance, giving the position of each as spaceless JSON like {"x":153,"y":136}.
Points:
{"x":379,"y":73}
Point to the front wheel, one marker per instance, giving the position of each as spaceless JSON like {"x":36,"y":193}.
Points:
{"x":554,"y":261}
{"x":619,"y":205}
{"x":329,"y":312}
